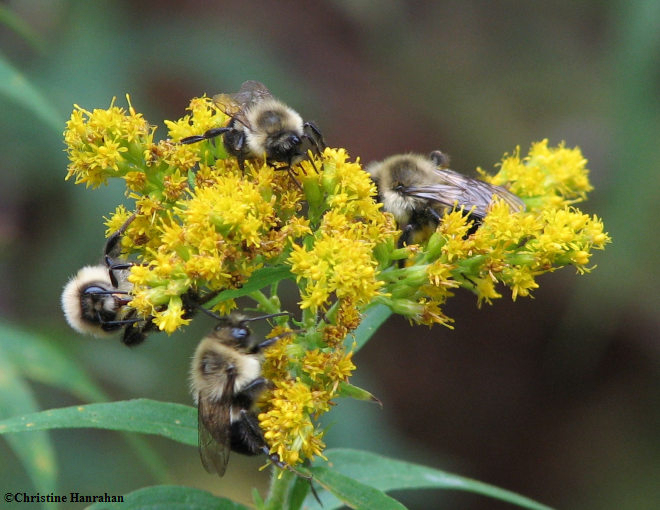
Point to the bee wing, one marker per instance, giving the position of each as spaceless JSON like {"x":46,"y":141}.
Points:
{"x":251,"y":92}
{"x":214,"y":430}
{"x":227,"y":104}
{"x":234,"y":105}
{"x":453,"y":189}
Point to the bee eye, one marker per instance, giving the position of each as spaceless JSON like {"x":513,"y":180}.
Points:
{"x":94,"y":289}
{"x":240,"y":333}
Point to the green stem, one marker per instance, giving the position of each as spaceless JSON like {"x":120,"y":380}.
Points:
{"x":264,"y":302}
{"x":280,"y":488}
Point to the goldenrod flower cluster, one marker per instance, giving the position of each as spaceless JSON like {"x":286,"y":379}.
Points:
{"x":202,"y":227}
{"x":507,"y":248}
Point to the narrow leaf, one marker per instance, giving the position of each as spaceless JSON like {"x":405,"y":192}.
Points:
{"x":16,"y":87}
{"x":41,"y":360}
{"x":353,"y":493}
{"x":36,"y":452}
{"x":351,"y":391}
{"x":169,"y":497}
{"x":373,"y":319}
{"x":299,"y":491}
{"x":260,"y":279}
{"x":388,"y":474}
{"x":10,"y":19}
{"x":173,"y":421}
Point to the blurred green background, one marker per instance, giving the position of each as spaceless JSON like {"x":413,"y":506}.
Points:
{"x":554,"y":397}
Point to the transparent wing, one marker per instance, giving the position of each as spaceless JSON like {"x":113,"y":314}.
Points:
{"x":214,"y":430}
{"x":227,"y":104}
{"x":250,"y":93}
{"x":453,"y":189}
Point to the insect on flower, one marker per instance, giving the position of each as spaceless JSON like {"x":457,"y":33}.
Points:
{"x":418,"y":190}
{"x":96,"y":300}
{"x":261,"y":126}
{"x":226,"y":381}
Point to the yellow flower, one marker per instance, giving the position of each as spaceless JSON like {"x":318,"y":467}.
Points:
{"x":201,"y":225}
{"x":287,"y":424}
{"x":104,"y":143}
{"x":204,"y":115}
{"x":546,"y":177}
{"x":335,"y":266}
{"x":171,"y":318}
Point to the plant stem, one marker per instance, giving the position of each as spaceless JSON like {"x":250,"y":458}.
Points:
{"x":265,"y":303}
{"x":280,"y":486}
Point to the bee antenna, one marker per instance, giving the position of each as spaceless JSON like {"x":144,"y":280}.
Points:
{"x":262,"y":317}
{"x":211,"y":314}
{"x":249,"y":319}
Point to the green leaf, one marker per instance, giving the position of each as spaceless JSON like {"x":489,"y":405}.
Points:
{"x":11,"y":20}
{"x":353,"y":493}
{"x":387,"y":474}
{"x":36,"y":452}
{"x":173,"y":421}
{"x":357,"y":393}
{"x":299,"y":491}
{"x":373,"y":318}
{"x":41,"y":360}
{"x":260,"y":279}
{"x":169,"y":497}
{"x":14,"y":85}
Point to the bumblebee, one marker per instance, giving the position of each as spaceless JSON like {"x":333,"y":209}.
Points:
{"x":226,"y":381}
{"x":92,"y":304}
{"x":418,"y":190}
{"x":96,"y":300}
{"x":262,"y":127}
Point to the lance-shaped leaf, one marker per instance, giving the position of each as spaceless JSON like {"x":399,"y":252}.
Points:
{"x":16,"y":87}
{"x":353,"y":493}
{"x":169,"y":497}
{"x":173,"y":421}
{"x":385,"y":474}
{"x":357,"y":393}
{"x":372,"y":319}
{"x":36,"y":453}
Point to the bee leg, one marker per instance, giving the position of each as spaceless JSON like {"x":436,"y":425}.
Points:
{"x":115,"y":266}
{"x":120,"y":322}
{"x":246,"y":435}
{"x":295,"y":181}
{"x":211,"y":133}
{"x":404,"y":239}
{"x":312,"y":132}
{"x":287,"y":167}
{"x":270,"y":341}
{"x":251,"y":434}
{"x":275,"y":459}
{"x":112,"y":250}
{"x":246,"y":397}
{"x":251,"y":391}
{"x":113,"y":245}
{"x":476,"y":223}
{"x":134,"y":335}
